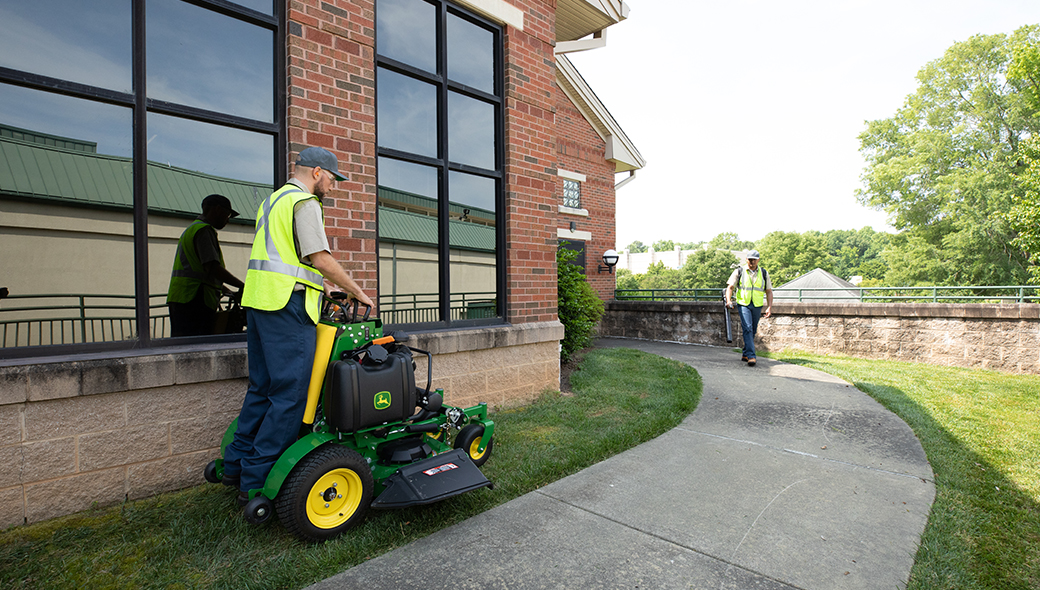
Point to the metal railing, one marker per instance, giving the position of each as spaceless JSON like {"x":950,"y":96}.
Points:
{"x":416,"y":308}
{"x":48,"y":319}
{"x":668,"y":294}
{"x":935,"y":294}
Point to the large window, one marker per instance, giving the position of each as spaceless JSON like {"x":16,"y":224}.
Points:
{"x":439,"y":123}
{"x":117,"y":117}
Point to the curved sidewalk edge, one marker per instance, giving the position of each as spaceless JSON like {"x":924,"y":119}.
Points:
{"x":784,"y":477}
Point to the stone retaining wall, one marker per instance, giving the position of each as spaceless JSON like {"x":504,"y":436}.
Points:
{"x":90,"y":432}
{"x":1003,"y":337}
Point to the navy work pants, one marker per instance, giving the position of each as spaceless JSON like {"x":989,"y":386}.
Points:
{"x":749,"y":316}
{"x":281,"y":355}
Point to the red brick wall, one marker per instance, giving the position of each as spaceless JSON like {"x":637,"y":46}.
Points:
{"x":531,"y":203}
{"x":331,"y":63}
{"x":331,"y":104}
{"x":580,"y":149}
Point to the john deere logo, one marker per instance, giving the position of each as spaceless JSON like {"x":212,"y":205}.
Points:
{"x":382,"y":400}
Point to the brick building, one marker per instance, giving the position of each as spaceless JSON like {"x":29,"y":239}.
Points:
{"x":458,"y":127}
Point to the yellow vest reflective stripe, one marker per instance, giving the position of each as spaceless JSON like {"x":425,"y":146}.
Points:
{"x":751,"y":290}
{"x":188,"y":274}
{"x":274,"y":266}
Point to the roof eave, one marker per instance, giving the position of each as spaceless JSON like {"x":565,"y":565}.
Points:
{"x":579,"y":18}
{"x":619,"y":148}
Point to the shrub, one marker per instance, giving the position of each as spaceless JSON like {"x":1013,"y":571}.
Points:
{"x":579,"y":308}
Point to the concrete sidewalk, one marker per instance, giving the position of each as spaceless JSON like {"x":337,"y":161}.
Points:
{"x":783,"y":477}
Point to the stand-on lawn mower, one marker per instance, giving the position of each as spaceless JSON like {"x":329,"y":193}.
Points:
{"x":362,"y":442}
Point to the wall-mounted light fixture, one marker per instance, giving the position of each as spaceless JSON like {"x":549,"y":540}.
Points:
{"x":610,"y":258}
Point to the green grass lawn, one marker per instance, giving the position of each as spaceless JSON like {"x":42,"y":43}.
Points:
{"x":981,"y":432}
{"x":196,"y":538}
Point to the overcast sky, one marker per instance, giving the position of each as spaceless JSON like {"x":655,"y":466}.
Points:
{"x":748,"y":111}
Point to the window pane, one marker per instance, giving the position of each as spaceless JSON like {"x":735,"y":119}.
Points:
{"x":406,"y":31}
{"x":471,"y":56}
{"x":471,"y":131}
{"x":66,"y":220}
{"x":473,"y":267}
{"x":264,"y":6}
{"x":85,"y":42}
{"x":406,"y":114}
{"x":409,"y":288}
{"x":199,"y":58}
{"x":188,"y":161}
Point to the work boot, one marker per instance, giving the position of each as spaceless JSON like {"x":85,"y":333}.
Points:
{"x":743,"y":359}
{"x":751,"y":362}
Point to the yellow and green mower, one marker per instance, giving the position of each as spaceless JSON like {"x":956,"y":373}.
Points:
{"x":370,"y":438}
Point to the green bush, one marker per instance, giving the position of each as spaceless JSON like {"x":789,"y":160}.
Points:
{"x":579,"y":308}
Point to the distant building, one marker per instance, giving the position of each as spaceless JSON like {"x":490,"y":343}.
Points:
{"x":817,"y":285}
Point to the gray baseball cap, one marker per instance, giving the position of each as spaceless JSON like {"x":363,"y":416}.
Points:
{"x":753,"y":254}
{"x":316,"y":157}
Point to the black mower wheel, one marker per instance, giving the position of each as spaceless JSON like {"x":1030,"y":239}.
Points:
{"x":326,"y":493}
{"x":468,"y":440}
{"x":210,"y":472}
{"x":258,"y":510}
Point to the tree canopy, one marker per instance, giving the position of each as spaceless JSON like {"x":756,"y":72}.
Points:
{"x":946,"y":166}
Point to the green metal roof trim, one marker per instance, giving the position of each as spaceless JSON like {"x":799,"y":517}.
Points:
{"x":406,"y":198}
{"x":413,"y":228}
{"x":33,"y":170}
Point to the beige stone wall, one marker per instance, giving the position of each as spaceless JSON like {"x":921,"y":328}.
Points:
{"x":83,"y":433}
{"x":1003,"y":337}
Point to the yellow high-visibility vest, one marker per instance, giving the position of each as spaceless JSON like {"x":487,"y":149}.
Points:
{"x":274,"y":266}
{"x":751,"y":290}
{"x":188,"y":274}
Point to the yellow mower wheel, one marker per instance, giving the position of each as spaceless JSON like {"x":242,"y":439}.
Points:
{"x":469,"y":439}
{"x":326,"y":493}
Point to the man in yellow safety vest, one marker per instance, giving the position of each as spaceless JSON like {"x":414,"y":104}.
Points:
{"x":288,"y":266}
{"x":199,"y":276}
{"x":752,"y":288}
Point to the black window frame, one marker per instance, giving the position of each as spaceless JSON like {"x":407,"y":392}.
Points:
{"x":444,"y":165}
{"x":141,"y":106}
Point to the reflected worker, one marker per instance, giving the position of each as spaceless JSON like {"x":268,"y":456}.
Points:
{"x":199,"y":275}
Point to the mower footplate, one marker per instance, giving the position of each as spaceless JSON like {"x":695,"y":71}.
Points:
{"x":431,"y":480}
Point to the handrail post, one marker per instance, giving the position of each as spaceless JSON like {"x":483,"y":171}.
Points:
{"x":82,"y":319}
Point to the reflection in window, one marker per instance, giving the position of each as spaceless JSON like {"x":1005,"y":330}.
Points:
{"x":70,"y":239}
{"x":406,"y":31}
{"x":85,"y":42}
{"x":473,"y":262}
{"x":471,"y":57}
{"x":406,"y":113}
{"x":471,"y":131}
{"x":189,"y":62}
{"x":439,"y":251}
{"x":409,"y":283}
{"x":66,"y":220}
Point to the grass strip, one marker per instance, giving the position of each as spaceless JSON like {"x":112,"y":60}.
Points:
{"x":196,"y":538}
{"x":981,"y":432}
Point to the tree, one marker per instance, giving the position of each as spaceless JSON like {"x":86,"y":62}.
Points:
{"x":729,"y":241}
{"x":664,"y":245}
{"x":706,"y":269}
{"x":788,"y":255}
{"x":636,"y":247}
{"x":944,"y":166}
{"x":659,"y":276}
{"x":855,"y":252}
{"x":1024,"y":213}
{"x":625,"y":279}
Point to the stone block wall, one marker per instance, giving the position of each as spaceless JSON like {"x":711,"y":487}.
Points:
{"x":1004,"y":337}
{"x":83,"y":433}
